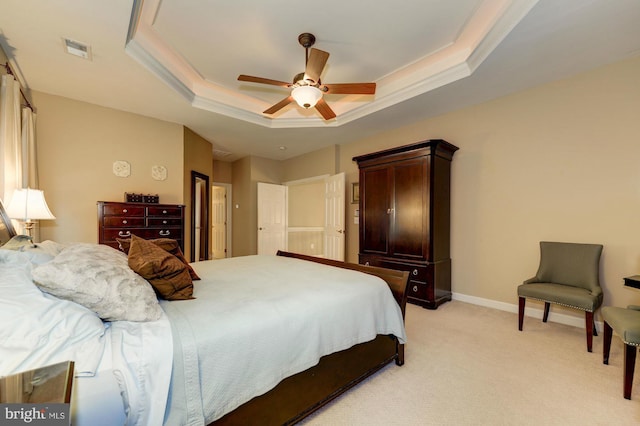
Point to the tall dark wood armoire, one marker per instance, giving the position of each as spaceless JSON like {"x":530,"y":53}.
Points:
{"x":405,"y":216}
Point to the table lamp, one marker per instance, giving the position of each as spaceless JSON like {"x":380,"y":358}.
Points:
{"x":28,"y":205}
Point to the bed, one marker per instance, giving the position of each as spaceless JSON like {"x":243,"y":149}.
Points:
{"x":259,"y":356}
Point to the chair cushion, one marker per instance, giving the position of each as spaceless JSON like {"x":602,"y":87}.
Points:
{"x":625,"y":322}
{"x":573,"y":297}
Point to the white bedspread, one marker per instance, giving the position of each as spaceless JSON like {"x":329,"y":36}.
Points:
{"x":259,"y":319}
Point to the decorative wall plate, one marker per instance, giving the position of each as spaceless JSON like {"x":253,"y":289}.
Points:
{"x":121,"y":168}
{"x":159,"y":172}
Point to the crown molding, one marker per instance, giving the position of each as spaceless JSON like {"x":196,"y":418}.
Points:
{"x":491,"y":23}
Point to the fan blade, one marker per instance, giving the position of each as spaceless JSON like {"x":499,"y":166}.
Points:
{"x":324,"y":109}
{"x":277,"y":107}
{"x":252,"y":79}
{"x":315,"y":65}
{"x":350,"y":89}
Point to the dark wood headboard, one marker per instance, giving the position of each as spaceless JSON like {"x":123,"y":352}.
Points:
{"x":6,"y":228}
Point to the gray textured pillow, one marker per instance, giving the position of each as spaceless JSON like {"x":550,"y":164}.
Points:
{"x":99,"y":278}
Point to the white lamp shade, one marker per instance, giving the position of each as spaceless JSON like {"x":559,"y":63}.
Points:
{"x":306,"y":96}
{"x":28,"y":204}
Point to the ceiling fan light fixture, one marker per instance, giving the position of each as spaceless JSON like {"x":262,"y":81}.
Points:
{"x":306,"y":96}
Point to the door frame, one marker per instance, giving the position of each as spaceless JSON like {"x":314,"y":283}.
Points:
{"x":204,"y":216}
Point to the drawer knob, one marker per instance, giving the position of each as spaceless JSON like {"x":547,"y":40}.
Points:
{"x":415,"y":272}
{"x":165,"y":233}
{"x":124,"y":222}
{"x":164,"y":222}
{"x":124,"y":233}
{"x":125,"y":211}
{"x":164,"y":212}
{"x":366,"y":264}
{"x":415,"y":288}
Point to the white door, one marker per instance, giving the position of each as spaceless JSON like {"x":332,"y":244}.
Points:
{"x":272,"y":218}
{"x":219,"y":221}
{"x":334,"y":217}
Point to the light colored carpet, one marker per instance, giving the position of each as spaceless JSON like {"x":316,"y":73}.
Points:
{"x":469,"y":365}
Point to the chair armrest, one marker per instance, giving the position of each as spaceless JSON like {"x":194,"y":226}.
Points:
{"x":531,"y":280}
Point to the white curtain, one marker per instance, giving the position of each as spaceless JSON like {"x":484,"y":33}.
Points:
{"x":10,"y":138}
{"x":18,"y":165}
{"x":28,"y":140}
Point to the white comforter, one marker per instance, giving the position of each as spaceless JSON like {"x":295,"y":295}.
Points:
{"x":259,"y":319}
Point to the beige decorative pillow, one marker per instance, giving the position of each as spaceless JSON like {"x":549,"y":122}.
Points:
{"x":165,"y":272}
{"x":99,"y":278}
{"x":167,"y":244}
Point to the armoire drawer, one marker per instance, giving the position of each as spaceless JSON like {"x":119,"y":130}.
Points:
{"x":416,"y":272}
{"x":418,"y":290}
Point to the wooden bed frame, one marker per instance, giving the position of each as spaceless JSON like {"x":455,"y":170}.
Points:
{"x":297,"y":396}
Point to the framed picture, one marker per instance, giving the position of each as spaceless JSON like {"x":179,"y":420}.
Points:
{"x":355,"y":192}
{"x":6,"y":228}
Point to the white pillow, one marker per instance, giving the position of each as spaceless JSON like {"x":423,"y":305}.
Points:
{"x":99,"y":278}
{"x":38,"y":329}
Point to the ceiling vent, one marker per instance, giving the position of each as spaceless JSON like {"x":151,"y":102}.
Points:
{"x":221,"y":154}
{"x":77,"y":48}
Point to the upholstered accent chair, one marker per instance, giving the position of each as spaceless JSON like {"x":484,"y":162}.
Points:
{"x":626,"y":324}
{"x":568,"y":275}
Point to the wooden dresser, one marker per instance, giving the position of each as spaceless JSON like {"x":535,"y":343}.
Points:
{"x":145,"y":220}
{"x":405,"y":216}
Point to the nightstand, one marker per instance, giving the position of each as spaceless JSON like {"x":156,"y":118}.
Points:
{"x":49,"y":384}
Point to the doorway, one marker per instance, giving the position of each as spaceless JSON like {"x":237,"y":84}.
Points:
{"x":221,"y":202}
{"x":306,"y":216}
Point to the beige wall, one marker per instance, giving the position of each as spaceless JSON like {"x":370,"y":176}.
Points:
{"x":558,"y":162}
{"x":198,"y":156}
{"x":317,"y":163}
{"x":77,"y":145}
{"x":222,"y":171}
{"x":306,"y":204}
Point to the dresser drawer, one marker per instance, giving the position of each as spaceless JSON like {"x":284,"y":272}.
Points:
{"x":146,"y":233}
{"x":123,"y":210}
{"x":164,"y":211}
{"x":163,"y":221}
{"x":124,"y":222}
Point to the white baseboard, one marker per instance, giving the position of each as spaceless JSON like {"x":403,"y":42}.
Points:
{"x":529,"y":312}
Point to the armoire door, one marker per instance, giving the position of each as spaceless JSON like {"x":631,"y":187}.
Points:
{"x":410,"y":209}
{"x":375,"y":210}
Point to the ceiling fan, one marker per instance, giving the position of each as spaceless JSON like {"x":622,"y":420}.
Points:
{"x":307,"y":89}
